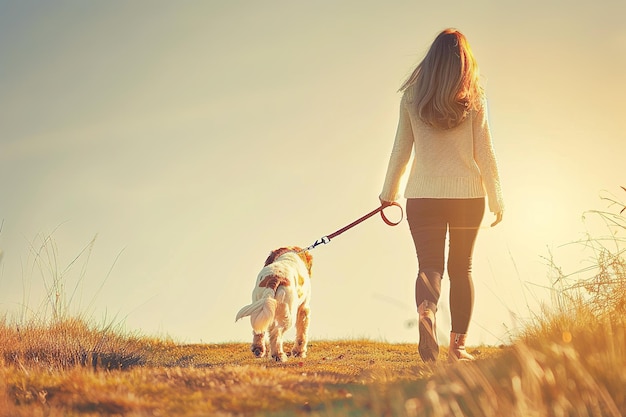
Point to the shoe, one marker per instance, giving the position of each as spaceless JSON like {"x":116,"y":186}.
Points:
{"x":457,"y":350}
{"x":428,"y":347}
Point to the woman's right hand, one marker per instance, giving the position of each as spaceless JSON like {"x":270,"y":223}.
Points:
{"x":498,"y":218}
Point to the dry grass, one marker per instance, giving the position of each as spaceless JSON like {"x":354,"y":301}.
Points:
{"x":570,"y":365}
{"x":49,"y":371}
{"x":564,"y":369}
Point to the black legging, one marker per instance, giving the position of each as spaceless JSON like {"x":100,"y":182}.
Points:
{"x":429,"y":219}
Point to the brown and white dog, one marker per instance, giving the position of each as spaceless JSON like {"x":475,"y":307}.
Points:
{"x":280,"y":297}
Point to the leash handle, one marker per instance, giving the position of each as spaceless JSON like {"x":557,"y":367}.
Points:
{"x":326,"y":239}
{"x":385,"y":219}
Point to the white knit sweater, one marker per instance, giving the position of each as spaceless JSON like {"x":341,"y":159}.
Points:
{"x":453,"y":163}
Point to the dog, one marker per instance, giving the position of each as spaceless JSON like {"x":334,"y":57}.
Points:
{"x":281,"y":297}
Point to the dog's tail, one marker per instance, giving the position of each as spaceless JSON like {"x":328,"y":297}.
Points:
{"x":261,"y":312}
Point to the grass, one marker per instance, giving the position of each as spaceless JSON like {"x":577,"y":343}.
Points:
{"x":59,"y":370}
{"x":568,"y":361}
{"x":71,"y":369}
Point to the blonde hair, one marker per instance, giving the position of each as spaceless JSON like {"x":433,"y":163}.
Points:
{"x":445,"y":85}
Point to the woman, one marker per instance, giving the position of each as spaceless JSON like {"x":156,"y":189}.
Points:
{"x":443,"y":121}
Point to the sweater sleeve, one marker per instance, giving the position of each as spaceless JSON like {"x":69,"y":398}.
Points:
{"x":400,"y":156}
{"x":485,"y":157}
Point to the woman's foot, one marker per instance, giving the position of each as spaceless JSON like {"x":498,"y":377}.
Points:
{"x":457,"y":350}
{"x":428,"y":347}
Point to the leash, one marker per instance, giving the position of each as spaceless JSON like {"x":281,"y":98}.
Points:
{"x":326,"y":239}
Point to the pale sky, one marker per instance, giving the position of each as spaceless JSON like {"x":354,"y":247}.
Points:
{"x":194,"y":137}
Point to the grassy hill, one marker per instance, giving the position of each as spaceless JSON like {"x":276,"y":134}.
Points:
{"x":564,"y":368}
{"x":71,"y":369}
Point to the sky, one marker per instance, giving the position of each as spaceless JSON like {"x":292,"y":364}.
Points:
{"x":153,"y":153}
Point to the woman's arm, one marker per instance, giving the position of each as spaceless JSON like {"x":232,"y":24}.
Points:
{"x":400,"y":156}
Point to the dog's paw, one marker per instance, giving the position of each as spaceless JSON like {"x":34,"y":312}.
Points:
{"x":298,"y":353}
{"x":280,"y":357}
{"x":258,"y":351}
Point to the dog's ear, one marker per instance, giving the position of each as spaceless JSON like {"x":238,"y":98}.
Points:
{"x":270,"y":259}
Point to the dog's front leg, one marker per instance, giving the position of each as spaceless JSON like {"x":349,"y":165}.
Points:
{"x":302,"y":330}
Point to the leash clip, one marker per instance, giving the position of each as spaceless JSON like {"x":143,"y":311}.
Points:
{"x":321,"y":241}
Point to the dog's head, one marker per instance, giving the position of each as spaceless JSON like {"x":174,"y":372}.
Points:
{"x":305,"y":255}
